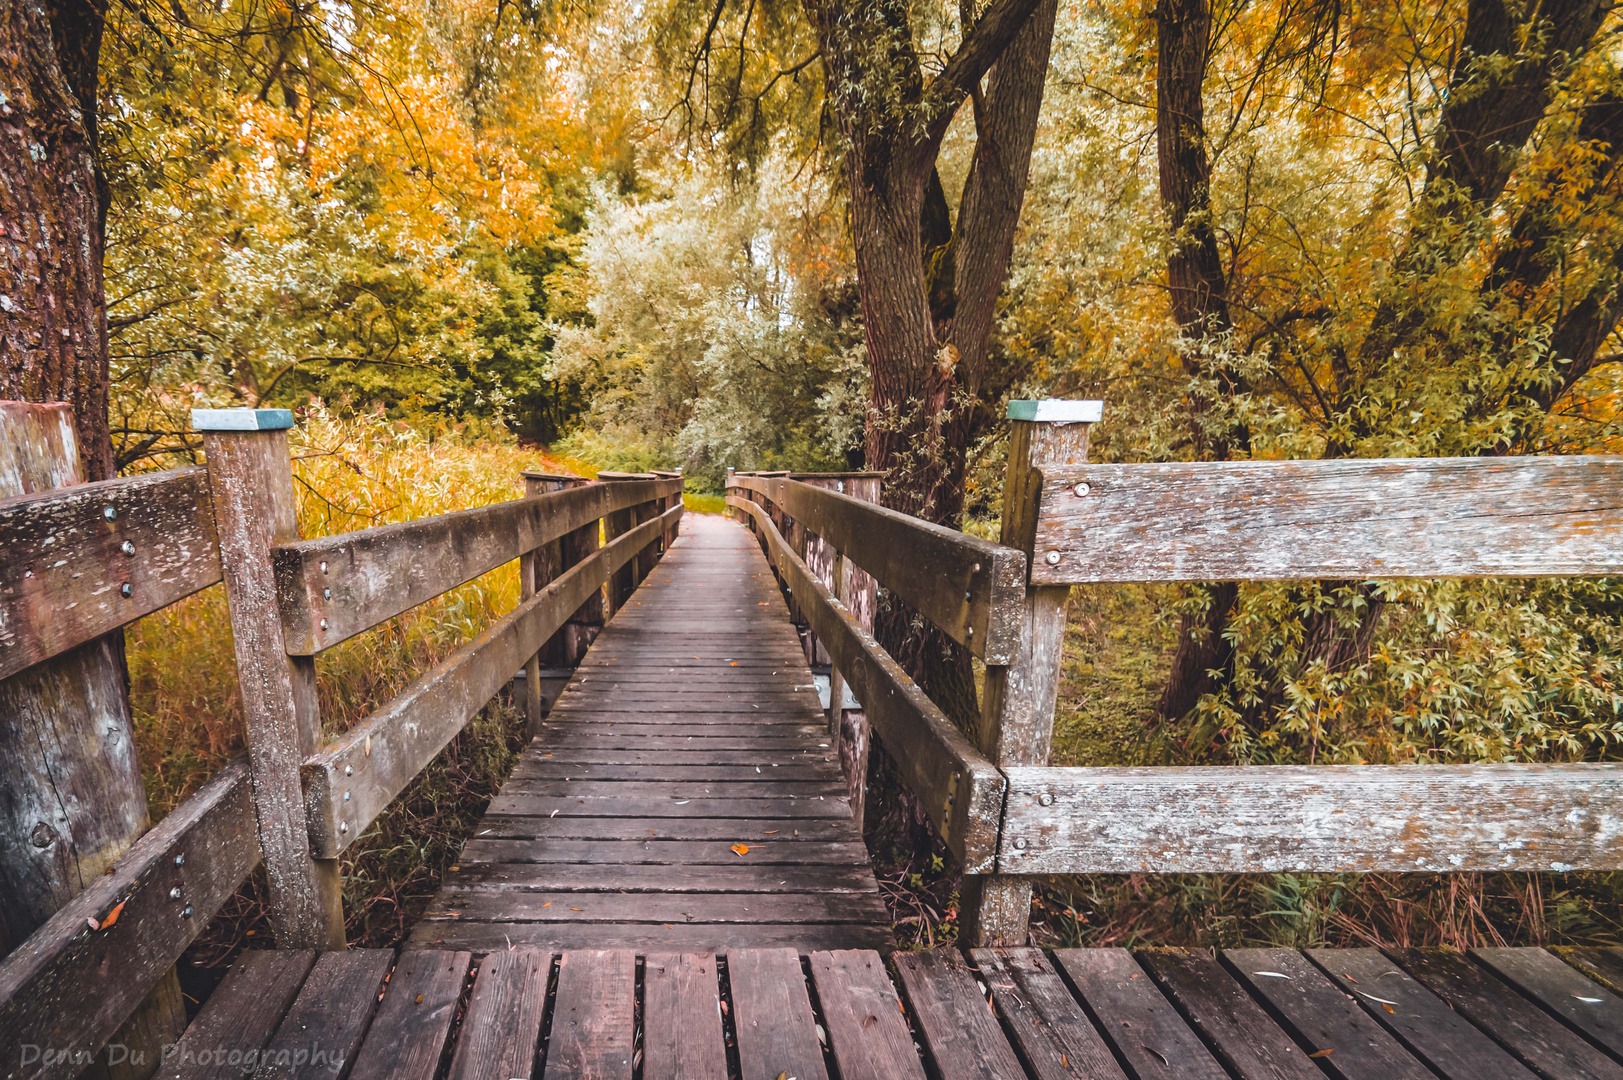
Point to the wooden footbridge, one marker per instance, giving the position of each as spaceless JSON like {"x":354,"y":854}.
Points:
{"x":673,"y":881}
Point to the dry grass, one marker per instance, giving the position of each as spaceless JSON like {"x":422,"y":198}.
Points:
{"x":351,"y":474}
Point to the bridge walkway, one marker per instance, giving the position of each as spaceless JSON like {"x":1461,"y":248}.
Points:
{"x":683,"y":793}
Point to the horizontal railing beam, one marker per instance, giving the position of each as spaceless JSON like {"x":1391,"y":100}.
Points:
{"x":1282,"y":520}
{"x":972,"y":589}
{"x":960,"y":790}
{"x":335,"y":587}
{"x":75,"y":980}
{"x":1320,"y":819}
{"x":349,"y":783}
{"x":84,"y":560}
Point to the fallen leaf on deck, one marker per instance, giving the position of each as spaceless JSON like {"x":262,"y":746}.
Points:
{"x":742,"y":849}
{"x":1326,"y":1052}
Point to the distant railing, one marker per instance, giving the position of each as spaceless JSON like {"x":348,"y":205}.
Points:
{"x":1072,"y":522}
{"x":84,"y":560}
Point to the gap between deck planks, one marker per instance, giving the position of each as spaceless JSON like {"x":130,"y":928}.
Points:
{"x":772,"y":1014}
{"x":682,"y":796}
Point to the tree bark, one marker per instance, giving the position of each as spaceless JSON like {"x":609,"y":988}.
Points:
{"x":53,"y":312}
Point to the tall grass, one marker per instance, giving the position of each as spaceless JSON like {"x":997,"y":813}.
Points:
{"x":350,"y":474}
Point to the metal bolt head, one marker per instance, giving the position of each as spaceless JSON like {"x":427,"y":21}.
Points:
{"x":126,"y":590}
{"x":174,"y":894}
{"x":1082,"y":490}
{"x":42,"y":836}
{"x":180,"y":860}
{"x":346,"y":796}
{"x":186,"y":912}
{"x":324,"y":624}
{"x":326,"y":594}
{"x":127,"y":548}
{"x":343,"y":826}
{"x":1019,"y":845}
{"x":110,"y":513}
{"x":349,"y":770}
{"x":1045,"y":799}
{"x":1052,"y":558}
{"x":323,"y":568}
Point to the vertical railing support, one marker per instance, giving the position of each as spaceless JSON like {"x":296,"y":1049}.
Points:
{"x":536,"y":569}
{"x":251,"y":483}
{"x":1017,"y":712}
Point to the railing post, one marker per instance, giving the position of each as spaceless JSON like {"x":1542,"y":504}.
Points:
{"x":1017,"y":711}
{"x":74,"y":801}
{"x":251,"y":483}
{"x":535,"y":570}
{"x":624,"y":582}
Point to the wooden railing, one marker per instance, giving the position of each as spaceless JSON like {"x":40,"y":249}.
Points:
{"x":1072,"y":522}
{"x":87,"y":559}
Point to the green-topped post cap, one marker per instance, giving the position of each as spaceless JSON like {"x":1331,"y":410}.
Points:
{"x":1058,"y":411}
{"x":241,"y":419}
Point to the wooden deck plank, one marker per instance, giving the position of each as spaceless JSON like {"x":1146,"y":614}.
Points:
{"x":1454,"y":1047}
{"x":1583,"y":1004}
{"x":408,"y":1035}
{"x":592,"y":1019}
{"x":1143,"y":1027}
{"x":681,"y":1018}
{"x":1604,"y":965}
{"x":240,"y":1016}
{"x":1323,"y":1018}
{"x":792,"y":877}
{"x":959,"y":1029}
{"x":1539,"y":1039}
{"x":863,"y":1016}
{"x":772,"y":1016}
{"x":1051,"y":1032}
{"x":642,"y":937}
{"x":1244,"y":1036}
{"x":323,"y":1030}
{"x":502,"y":1026}
{"x":512,"y":905}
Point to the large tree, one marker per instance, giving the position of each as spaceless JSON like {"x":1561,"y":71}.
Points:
{"x":1508,"y":63}
{"x":53,"y":312}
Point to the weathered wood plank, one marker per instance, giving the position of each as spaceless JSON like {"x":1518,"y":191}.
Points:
{"x":1279,"y":520}
{"x":1269,"y":819}
{"x":592,"y":1022}
{"x":499,"y":1032}
{"x":960,"y":1032}
{"x":1324,"y":1020}
{"x":1454,"y":1047}
{"x":642,"y":936}
{"x":792,"y":851}
{"x":972,"y":589}
{"x":67,"y":563}
{"x":960,"y":789}
{"x":866,"y":1027}
{"x":1585,"y":1006}
{"x":1545,"y":1044}
{"x":1247,"y":1041}
{"x":353,"y":581}
{"x":1055,"y":1038}
{"x":328,"y":1020}
{"x":348,"y":784}
{"x":511,"y":905}
{"x":407,"y":1038}
{"x":681,"y":1018}
{"x":677,"y":789}
{"x":1146,"y":1031}
{"x":240,"y":1017}
{"x":648,"y":805}
{"x":251,"y":487}
{"x":70,"y":986}
{"x":772,"y":1016}
{"x":847,"y":875}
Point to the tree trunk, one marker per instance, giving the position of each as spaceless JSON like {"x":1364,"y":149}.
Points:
{"x":53,"y":312}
